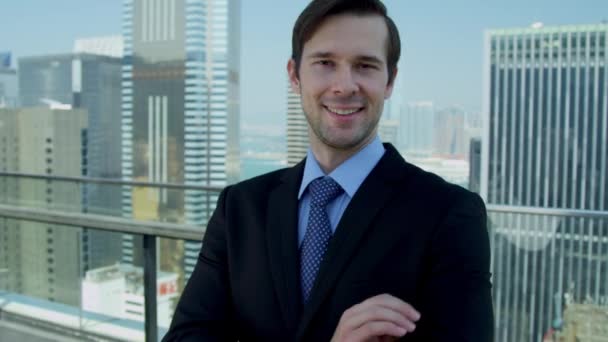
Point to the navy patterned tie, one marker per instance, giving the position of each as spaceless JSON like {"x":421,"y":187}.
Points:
{"x":318,"y":231}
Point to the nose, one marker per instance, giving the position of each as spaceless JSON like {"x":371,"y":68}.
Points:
{"x":344,"y":83}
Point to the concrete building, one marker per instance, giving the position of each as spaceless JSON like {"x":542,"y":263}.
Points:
{"x":9,"y":190}
{"x":584,"y":323}
{"x":43,"y":260}
{"x":117,"y":291}
{"x":546,"y":114}
{"x":91,"y":82}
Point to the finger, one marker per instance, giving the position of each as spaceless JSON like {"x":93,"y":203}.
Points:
{"x":376,"y":329}
{"x":378,"y":313}
{"x":393,"y":303}
{"x":386,"y":338}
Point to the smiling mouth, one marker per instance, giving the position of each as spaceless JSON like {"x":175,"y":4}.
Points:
{"x":348,"y":111}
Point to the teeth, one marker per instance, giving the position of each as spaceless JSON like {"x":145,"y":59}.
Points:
{"x":343,"y":111}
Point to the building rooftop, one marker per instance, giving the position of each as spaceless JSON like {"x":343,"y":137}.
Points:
{"x":541,"y":28}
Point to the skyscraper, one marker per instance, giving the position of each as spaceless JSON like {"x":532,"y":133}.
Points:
{"x":450,"y":138}
{"x":90,"y":82}
{"x":180,"y":117}
{"x":8,"y":82}
{"x":297,"y":128}
{"x":417,"y":128}
{"x":545,"y":146}
{"x":44,"y":260}
{"x":474,"y":164}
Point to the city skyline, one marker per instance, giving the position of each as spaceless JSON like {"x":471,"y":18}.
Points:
{"x":429,"y":31}
{"x":175,"y":102}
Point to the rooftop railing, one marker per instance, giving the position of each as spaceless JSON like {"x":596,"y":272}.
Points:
{"x":544,"y":260}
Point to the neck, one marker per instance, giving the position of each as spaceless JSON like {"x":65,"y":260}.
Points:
{"x":330,"y":157}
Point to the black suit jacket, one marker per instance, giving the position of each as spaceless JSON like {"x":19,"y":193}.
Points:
{"x":406,"y":232}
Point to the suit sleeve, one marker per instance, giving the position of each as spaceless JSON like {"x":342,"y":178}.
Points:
{"x":457,"y":300}
{"x":204,"y":311}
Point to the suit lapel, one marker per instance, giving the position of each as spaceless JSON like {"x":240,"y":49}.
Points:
{"x":357,"y":219}
{"x":282,"y":240}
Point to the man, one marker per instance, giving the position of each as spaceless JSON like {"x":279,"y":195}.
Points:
{"x":353,"y":243}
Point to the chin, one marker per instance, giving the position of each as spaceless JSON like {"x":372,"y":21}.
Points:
{"x":342,"y":144}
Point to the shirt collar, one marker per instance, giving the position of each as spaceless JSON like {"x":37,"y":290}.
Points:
{"x":350,"y":174}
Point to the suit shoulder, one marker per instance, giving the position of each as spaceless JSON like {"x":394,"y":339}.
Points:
{"x":436,"y":188}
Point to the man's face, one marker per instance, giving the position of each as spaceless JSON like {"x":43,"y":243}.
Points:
{"x":343,"y":80}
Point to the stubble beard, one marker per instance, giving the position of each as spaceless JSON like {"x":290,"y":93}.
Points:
{"x":361,"y":136}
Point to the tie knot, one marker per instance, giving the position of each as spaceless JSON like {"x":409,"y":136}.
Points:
{"x":324,"y":190}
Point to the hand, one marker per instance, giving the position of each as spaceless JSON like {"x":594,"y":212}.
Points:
{"x":379,"y":318}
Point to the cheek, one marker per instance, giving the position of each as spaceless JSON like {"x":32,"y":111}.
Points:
{"x":378,"y":93}
{"x":315,"y":81}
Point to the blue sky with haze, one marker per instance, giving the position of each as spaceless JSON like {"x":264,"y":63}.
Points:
{"x":442,"y":40}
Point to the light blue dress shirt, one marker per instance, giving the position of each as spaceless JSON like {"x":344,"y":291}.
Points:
{"x":350,"y":174}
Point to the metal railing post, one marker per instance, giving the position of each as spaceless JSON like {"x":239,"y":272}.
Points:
{"x":150,"y":302}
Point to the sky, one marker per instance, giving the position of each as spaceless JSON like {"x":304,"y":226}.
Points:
{"x":442,"y":42}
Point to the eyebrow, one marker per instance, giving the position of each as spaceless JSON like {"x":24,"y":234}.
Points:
{"x":362,"y":58}
{"x":370,"y":59}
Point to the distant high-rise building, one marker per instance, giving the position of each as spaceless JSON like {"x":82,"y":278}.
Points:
{"x":417,"y":128}
{"x":297,"y":129}
{"x":475,"y":164}
{"x":90,"y":82}
{"x":180,"y":117}
{"x":5,"y":60}
{"x":474,"y":119}
{"x":388,"y":130}
{"x":450,"y":133}
{"x":8,"y":83}
{"x":111,"y":46}
{"x":47,"y":79}
{"x":43,"y":260}
{"x":473,"y":130}
{"x":545,"y":134}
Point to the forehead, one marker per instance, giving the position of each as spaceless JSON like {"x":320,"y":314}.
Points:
{"x":350,"y":35}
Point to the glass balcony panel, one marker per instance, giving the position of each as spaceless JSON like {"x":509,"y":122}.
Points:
{"x":549,"y":273}
{"x":70,"y":281}
{"x":549,"y":267}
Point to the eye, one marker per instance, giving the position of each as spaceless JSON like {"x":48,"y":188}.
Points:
{"x":367,"y":66}
{"x":324,"y":62}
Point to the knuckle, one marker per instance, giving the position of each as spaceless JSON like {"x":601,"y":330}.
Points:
{"x":385,"y":296}
{"x":378,"y":312}
{"x":350,"y":311}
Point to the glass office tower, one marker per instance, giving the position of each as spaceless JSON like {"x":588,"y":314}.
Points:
{"x":545,"y":149}
{"x":180,"y":113}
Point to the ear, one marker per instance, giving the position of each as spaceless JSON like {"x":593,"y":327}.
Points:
{"x":293,"y":76}
{"x":389,"y":87}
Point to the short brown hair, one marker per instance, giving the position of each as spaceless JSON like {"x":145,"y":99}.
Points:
{"x":318,"y":10}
